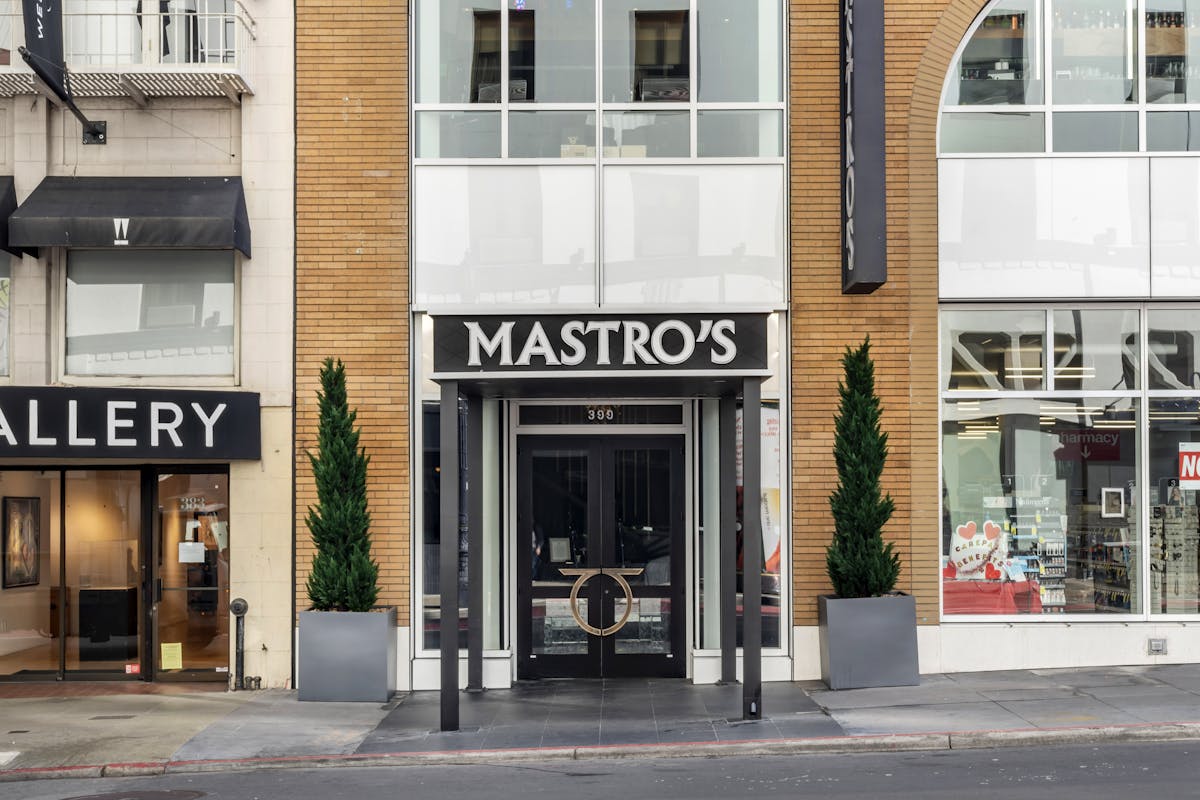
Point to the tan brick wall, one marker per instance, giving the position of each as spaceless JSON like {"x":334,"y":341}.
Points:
{"x":352,"y":256}
{"x":901,"y":317}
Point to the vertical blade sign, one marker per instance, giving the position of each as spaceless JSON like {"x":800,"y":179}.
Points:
{"x":43,"y":49}
{"x":864,"y":205}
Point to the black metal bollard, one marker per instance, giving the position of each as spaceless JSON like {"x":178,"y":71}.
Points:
{"x":239,"y":607}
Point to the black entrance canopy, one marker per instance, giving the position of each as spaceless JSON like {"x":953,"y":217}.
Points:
{"x":8,"y":204}
{"x":133,"y":212}
{"x":717,"y":354}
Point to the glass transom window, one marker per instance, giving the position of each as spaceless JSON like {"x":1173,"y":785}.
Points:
{"x":150,"y":313}
{"x":1076,"y":76}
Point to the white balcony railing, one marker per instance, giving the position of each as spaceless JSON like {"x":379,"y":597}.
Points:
{"x":152,"y":48}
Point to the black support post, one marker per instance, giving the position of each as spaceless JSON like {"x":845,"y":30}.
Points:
{"x":474,"y":543}
{"x":728,"y":537}
{"x":751,"y":550}
{"x":448,"y":572}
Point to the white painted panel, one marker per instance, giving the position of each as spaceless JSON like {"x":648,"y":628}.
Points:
{"x":1042,"y":228}
{"x":701,"y":234}
{"x":1175,"y":230}
{"x":999,"y":646}
{"x":987,"y":646}
{"x":505,"y":235}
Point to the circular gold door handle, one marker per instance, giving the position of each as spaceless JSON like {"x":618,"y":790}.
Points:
{"x":585,"y":575}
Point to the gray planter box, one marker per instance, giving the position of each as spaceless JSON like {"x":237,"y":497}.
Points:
{"x":347,"y":655}
{"x":868,"y":641}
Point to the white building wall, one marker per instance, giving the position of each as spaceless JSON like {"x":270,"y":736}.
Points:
{"x":198,"y":137}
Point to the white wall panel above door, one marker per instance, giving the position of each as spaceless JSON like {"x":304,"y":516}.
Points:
{"x":1044,"y":228}
{"x":507,"y":235}
{"x":694,"y":235}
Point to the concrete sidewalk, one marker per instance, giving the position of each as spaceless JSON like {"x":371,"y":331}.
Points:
{"x":150,"y":733}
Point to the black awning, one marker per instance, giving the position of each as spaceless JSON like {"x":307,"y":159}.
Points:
{"x":133,"y":212}
{"x":8,"y":204}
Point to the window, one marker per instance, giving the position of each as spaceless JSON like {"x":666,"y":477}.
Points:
{"x":661,"y":63}
{"x":519,"y":79}
{"x":150,"y":312}
{"x":1081,"y":60}
{"x":1056,"y":481}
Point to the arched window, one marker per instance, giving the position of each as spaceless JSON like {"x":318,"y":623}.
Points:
{"x":1076,"y":76}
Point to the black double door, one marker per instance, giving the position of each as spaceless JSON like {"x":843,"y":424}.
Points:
{"x":600,"y":537}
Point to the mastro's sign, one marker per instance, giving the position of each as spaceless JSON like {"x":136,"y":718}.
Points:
{"x":606,"y":344}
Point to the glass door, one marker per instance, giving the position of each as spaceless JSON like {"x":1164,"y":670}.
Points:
{"x":644,"y":549}
{"x":603,"y":517}
{"x":191,"y":576}
{"x":102,"y":568}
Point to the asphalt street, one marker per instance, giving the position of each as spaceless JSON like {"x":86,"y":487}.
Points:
{"x":1119,"y":771}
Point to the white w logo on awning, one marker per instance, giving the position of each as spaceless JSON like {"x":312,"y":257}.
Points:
{"x":120,"y":230}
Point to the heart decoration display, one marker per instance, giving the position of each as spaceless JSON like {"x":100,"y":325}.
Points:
{"x":977,"y":555}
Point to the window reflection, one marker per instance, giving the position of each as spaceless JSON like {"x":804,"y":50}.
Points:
{"x":1172,"y":339}
{"x":1096,"y":349}
{"x":149,"y":312}
{"x":1171,"y":41}
{"x":552,"y":51}
{"x":1001,"y":64}
{"x":1038,"y":506}
{"x":647,"y":54}
{"x":993,"y":349}
{"x":459,"y":50}
{"x":1093,"y":49}
{"x":1174,"y":526}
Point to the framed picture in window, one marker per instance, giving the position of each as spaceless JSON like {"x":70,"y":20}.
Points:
{"x":1112,"y":502}
{"x":20,"y":544}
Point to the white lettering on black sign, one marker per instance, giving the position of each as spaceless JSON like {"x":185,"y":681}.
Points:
{"x":670,"y":342}
{"x":601,"y":343}
{"x":66,"y":422}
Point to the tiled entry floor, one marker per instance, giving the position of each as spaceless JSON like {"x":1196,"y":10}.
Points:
{"x":573,"y":713}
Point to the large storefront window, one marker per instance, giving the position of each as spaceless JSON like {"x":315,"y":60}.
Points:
{"x":1059,"y":484}
{"x":150,"y":312}
{"x":1038,"y":515}
{"x":80,"y":560}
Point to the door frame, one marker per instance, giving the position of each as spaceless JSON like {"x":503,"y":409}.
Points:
{"x":151,"y":580}
{"x":600,"y":446}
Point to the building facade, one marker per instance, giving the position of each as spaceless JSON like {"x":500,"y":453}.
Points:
{"x":145,"y":447}
{"x":558,"y":221}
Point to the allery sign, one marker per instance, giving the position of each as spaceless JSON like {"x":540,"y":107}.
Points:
{"x":68,"y":422}
{"x":606,"y":344}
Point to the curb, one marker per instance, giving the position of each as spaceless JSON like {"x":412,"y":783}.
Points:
{"x":877,"y":743}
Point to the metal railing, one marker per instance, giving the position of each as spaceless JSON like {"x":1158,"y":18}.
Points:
{"x":145,"y":33}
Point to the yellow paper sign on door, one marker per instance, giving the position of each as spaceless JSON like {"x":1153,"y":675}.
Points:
{"x":172,"y":655}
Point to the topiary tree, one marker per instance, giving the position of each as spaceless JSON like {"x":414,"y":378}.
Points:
{"x":343,"y":576}
{"x":859,"y":562}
